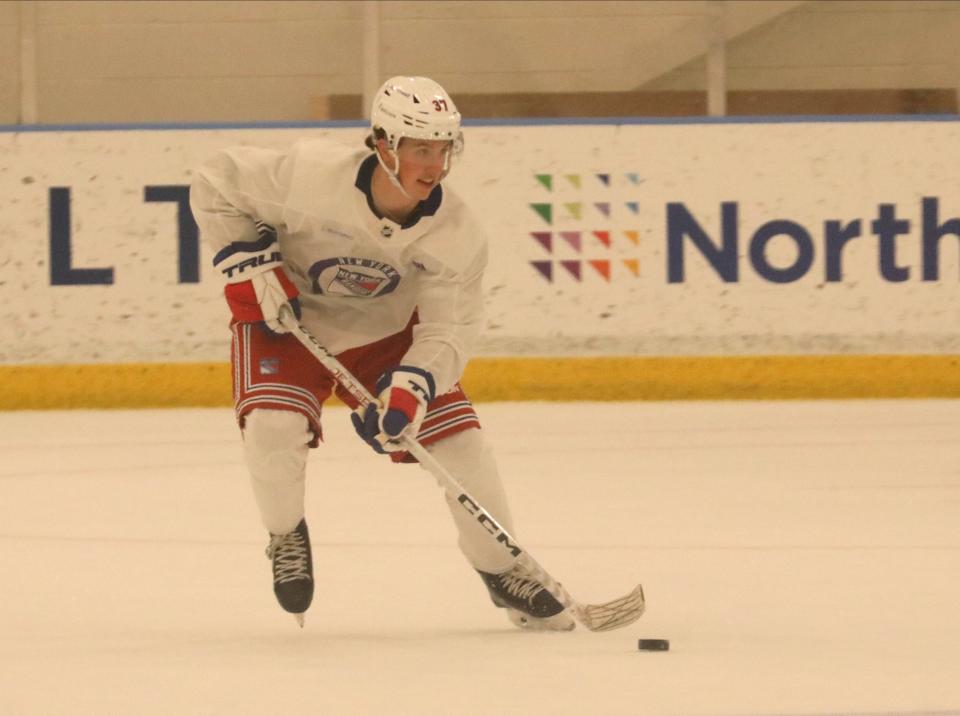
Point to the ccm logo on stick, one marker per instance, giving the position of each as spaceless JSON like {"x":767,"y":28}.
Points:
{"x":489,"y":524}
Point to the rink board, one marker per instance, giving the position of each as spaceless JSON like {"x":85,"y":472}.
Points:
{"x":534,"y":379}
{"x":629,"y":260}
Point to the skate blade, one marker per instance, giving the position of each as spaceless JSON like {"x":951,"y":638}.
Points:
{"x":558,"y":622}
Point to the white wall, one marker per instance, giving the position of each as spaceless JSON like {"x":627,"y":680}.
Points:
{"x":121,"y":61}
{"x":838,"y":44}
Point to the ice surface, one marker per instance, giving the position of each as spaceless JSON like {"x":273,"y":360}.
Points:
{"x":802,"y":558}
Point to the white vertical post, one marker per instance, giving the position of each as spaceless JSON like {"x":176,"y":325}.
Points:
{"x":716,"y":59}
{"x":371,"y":53}
{"x":28,"y":62}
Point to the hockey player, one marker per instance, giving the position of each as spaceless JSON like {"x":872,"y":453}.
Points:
{"x":384,"y":265}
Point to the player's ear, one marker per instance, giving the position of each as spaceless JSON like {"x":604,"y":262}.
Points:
{"x":383,"y":148}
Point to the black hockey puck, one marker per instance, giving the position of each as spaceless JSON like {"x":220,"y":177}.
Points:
{"x":653,"y":645}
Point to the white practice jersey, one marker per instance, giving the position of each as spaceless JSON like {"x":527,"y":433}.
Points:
{"x":360,"y":276}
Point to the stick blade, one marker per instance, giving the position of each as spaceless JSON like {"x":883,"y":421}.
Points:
{"x":613,"y":615}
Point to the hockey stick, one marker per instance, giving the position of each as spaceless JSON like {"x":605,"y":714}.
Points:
{"x":595,"y":617}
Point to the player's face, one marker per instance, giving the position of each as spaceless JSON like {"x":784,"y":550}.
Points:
{"x":421,"y":165}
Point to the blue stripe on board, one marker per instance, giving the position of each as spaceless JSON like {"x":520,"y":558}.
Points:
{"x":771,"y":119}
{"x":516,"y":122}
{"x":174,"y":126}
{"x":951,"y":712}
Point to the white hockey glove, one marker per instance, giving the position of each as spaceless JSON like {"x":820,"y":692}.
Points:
{"x":257,"y":286}
{"x":403,"y":394}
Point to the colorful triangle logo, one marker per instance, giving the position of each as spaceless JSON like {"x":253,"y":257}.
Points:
{"x":574,"y":180}
{"x":573,"y":267}
{"x":634,"y":237}
{"x":604,"y":237}
{"x":604,"y":179}
{"x":602,"y":267}
{"x":545,"y":211}
{"x":603,"y":207}
{"x":634,"y":206}
{"x":572,"y":238}
{"x":544,"y":238}
{"x":546,"y":180}
{"x":633,"y":266}
{"x":544,"y":268}
{"x":575,"y":210}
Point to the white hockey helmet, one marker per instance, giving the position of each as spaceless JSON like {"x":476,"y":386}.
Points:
{"x":415,"y":107}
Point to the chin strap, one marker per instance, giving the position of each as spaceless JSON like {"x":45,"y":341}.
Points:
{"x":392,"y":173}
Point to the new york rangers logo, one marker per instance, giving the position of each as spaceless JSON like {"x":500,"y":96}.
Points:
{"x":352,"y":276}
{"x":269,"y":366}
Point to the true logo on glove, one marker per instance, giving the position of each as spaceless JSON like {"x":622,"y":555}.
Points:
{"x":253,"y":262}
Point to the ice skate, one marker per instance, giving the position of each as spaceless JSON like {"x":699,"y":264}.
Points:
{"x":292,"y":570}
{"x":529,"y":605}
